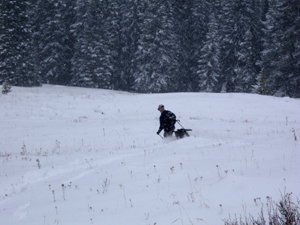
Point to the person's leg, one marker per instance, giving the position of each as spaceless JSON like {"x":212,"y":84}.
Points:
{"x":168,"y":134}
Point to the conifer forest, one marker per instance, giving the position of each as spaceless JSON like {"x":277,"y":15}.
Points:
{"x":153,"y":46}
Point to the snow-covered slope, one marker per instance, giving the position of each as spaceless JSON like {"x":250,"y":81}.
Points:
{"x":89,"y":156}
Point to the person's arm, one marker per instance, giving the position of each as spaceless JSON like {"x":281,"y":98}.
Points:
{"x":162,"y":121}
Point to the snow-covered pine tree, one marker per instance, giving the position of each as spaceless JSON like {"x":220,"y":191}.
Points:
{"x":16,"y":44}
{"x":240,"y":45}
{"x":190,"y":28}
{"x":280,"y":56}
{"x":80,"y":29}
{"x":6,"y":88}
{"x":228,"y":44}
{"x":124,"y":32}
{"x":53,"y":40}
{"x":249,"y":33}
{"x":209,"y":67}
{"x":154,"y":53}
{"x":260,"y":87}
{"x":89,"y":62}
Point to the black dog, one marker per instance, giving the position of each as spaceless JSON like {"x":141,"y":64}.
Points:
{"x":180,"y":133}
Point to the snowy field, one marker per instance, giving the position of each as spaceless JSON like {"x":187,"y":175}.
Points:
{"x":80,"y":156}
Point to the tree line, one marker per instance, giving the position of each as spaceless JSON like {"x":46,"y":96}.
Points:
{"x":153,"y":45}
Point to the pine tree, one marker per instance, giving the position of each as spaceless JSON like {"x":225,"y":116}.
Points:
{"x":228,"y":45}
{"x":89,"y":63}
{"x":16,"y":44}
{"x":154,"y":53}
{"x":249,"y":33}
{"x":68,"y":41}
{"x":260,"y":87}
{"x":53,"y":40}
{"x":190,"y":28}
{"x":209,"y":67}
{"x":123,"y":33}
{"x":240,"y":45}
{"x":6,"y":88}
{"x":281,"y":57}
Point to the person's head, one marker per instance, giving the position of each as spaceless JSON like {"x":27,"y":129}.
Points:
{"x":161,"y":108}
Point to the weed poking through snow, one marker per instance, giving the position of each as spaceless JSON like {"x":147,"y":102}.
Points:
{"x":286,"y":212}
{"x":63,"y":189}
{"x":38,"y":163}
{"x":295,"y":136}
{"x":54,"y":200}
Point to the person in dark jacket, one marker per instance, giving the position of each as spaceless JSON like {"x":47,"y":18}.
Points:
{"x":167,"y":121}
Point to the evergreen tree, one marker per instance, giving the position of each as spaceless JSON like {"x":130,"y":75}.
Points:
{"x":123,"y":33}
{"x":6,"y":88}
{"x":81,"y":32}
{"x":131,"y":34}
{"x":209,"y":67}
{"x":89,"y":64}
{"x":68,"y":40}
{"x":16,"y":44}
{"x":280,"y":57}
{"x":249,"y":46}
{"x":153,"y":57}
{"x":53,"y":40}
{"x":228,"y":45}
{"x":190,"y":28}
{"x":260,"y":87}
{"x":240,"y":47}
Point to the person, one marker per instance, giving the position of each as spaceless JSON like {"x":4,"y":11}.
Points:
{"x":167,"y":121}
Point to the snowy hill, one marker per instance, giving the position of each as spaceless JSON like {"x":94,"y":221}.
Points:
{"x":88,"y":156}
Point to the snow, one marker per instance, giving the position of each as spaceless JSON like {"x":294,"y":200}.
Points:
{"x":89,"y":156}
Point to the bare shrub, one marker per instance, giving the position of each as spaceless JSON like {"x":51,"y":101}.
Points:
{"x":286,"y":212}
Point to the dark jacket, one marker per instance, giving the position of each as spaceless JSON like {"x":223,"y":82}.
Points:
{"x":167,"y":121}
